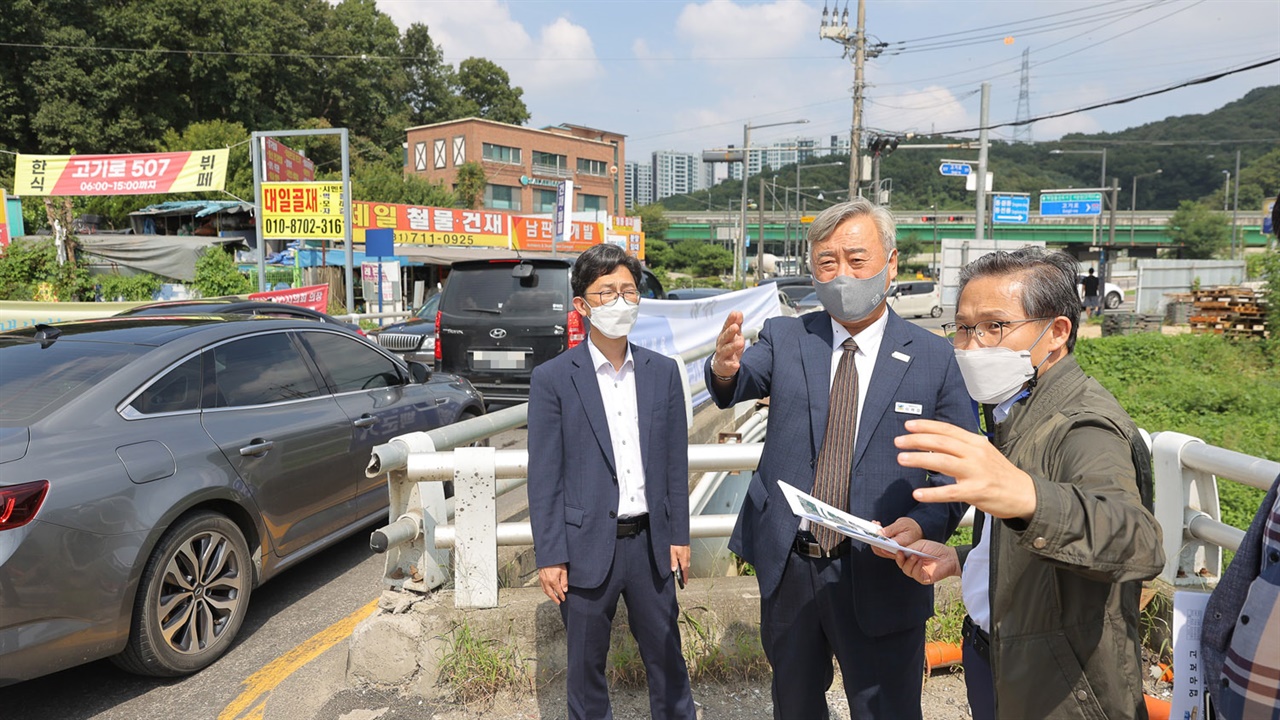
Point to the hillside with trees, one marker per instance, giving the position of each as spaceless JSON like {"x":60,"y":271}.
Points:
{"x":1190,"y":150}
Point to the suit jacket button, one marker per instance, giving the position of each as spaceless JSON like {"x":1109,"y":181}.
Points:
{"x":613,"y":514}
{"x":1039,"y":543}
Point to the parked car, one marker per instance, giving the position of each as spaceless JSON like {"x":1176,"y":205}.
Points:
{"x":797,"y":292}
{"x":916,"y":298}
{"x":1112,"y":295}
{"x":809,"y":303}
{"x":237,"y":306}
{"x":155,"y":470}
{"x":415,"y":338}
{"x":499,"y":319}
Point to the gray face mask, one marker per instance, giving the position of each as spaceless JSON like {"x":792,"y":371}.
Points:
{"x":850,"y":299}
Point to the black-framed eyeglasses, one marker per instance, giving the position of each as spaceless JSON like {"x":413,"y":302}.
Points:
{"x":605,"y":297}
{"x":988,"y":333}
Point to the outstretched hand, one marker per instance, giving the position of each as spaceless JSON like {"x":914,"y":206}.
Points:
{"x":984,"y":477}
{"x":729,"y":346}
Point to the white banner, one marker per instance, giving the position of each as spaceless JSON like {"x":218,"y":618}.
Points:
{"x":671,"y":327}
{"x":1188,"y":678}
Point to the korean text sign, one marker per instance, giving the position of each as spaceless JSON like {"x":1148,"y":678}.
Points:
{"x":136,"y":174}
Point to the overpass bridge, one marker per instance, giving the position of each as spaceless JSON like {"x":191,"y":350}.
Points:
{"x":1142,"y":233}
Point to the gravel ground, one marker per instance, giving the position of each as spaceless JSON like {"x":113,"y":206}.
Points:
{"x":944,"y":699}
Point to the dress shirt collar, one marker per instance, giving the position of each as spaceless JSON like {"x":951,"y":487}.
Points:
{"x":868,"y":340}
{"x":600,"y":362}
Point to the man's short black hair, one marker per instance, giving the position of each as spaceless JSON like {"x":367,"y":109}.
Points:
{"x":601,"y":260}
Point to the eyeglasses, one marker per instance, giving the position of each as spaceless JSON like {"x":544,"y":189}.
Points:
{"x":988,"y":333}
{"x":606,"y":297}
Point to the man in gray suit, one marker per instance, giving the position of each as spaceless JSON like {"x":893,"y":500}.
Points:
{"x":609,"y":491}
{"x":841,"y":385}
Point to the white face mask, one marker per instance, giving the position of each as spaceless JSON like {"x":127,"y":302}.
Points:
{"x":995,"y":374}
{"x":614,"y":320}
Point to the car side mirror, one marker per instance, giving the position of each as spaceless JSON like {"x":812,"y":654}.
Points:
{"x":419,"y":372}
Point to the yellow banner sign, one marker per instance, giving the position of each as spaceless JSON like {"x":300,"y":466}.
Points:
{"x":302,"y":210}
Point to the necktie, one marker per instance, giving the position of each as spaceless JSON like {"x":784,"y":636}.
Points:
{"x":835,"y":460}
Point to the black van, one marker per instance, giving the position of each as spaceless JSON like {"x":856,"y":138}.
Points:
{"x":499,"y":319}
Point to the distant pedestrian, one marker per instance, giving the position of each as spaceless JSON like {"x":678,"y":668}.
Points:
{"x":1092,"y":306}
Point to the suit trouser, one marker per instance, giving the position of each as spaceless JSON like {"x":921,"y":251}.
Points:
{"x":978,"y":682}
{"x":653,"y":615}
{"x":809,"y":618}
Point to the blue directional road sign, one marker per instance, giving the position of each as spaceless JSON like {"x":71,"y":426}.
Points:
{"x":956,"y":169}
{"x":1058,"y":204}
{"x":1010,"y":208}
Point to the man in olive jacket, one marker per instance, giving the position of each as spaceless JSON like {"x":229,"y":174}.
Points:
{"x":1065,"y":536}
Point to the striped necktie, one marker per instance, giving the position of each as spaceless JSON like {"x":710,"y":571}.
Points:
{"x":835,"y":460}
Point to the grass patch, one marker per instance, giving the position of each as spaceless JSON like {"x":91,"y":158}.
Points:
{"x":947,"y":620}
{"x":476,"y":668}
{"x":719,"y":654}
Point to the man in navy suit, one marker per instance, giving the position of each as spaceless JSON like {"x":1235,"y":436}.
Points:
{"x":609,"y":491}
{"x":841,"y":385}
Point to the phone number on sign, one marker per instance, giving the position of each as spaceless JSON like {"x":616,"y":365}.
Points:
{"x":303,"y":227}
{"x":435,"y":238}
{"x":117,"y":185}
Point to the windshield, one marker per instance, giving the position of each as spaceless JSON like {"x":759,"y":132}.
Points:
{"x":36,"y":381}
{"x":492,"y":290}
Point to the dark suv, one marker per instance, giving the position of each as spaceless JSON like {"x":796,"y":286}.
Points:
{"x":499,"y":319}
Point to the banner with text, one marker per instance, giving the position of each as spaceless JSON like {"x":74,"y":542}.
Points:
{"x":4,"y":220}
{"x":418,"y":225}
{"x":302,"y":210}
{"x":284,"y":164}
{"x":538,"y":234}
{"x":315,"y":297}
{"x":136,"y":174}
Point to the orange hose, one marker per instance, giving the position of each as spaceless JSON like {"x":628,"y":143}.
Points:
{"x":939,"y":655}
{"x":1157,"y":709}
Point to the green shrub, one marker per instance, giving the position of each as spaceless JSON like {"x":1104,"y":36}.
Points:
{"x":128,"y":287}
{"x":217,"y":274}
{"x":27,"y":265}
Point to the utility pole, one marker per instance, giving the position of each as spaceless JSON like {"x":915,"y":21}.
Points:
{"x":1235,"y":212}
{"x":980,"y":185}
{"x":835,"y":26}
{"x":760,"y":246}
{"x":1104,"y":267}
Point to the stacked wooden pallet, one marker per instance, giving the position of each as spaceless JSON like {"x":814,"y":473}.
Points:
{"x":1229,"y":310}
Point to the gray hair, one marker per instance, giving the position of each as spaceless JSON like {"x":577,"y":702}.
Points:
{"x":829,"y":219}
{"x":1049,"y":287}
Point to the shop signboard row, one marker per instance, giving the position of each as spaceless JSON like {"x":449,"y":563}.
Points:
{"x":313,"y":211}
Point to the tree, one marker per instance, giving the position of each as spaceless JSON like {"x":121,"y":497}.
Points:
{"x":380,"y":182}
{"x":469,"y":188}
{"x":25,"y":265}
{"x":485,"y":90}
{"x":657,"y":253}
{"x":699,"y":258}
{"x":1200,"y":231}
{"x":653,"y":221}
{"x":216,"y":274}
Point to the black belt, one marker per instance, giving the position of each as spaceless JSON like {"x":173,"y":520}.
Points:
{"x":806,"y":546}
{"x":979,"y":638}
{"x":628,"y":527}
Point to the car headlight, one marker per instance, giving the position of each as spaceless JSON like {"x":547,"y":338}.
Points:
{"x":429,"y":344}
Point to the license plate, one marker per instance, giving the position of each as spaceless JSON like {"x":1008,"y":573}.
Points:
{"x":499,"y":359}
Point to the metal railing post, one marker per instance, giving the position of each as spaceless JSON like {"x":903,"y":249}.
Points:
{"x":1188,"y":560}
{"x":475,"y":519}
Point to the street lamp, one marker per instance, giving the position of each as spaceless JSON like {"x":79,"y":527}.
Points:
{"x":1133,"y":201}
{"x":1103,"y":152}
{"x":1102,"y":186}
{"x":740,"y":248}
{"x":1226,"y":189}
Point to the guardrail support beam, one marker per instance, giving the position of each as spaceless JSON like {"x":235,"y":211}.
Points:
{"x":1188,"y":561}
{"x":475,"y":520}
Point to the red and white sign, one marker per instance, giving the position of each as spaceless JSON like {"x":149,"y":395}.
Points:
{"x":314,"y":297}
{"x":418,"y":225}
{"x":284,"y":164}
{"x":538,"y":234}
{"x":138,"y":174}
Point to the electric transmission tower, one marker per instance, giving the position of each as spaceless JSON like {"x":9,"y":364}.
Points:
{"x":1022,"y":131}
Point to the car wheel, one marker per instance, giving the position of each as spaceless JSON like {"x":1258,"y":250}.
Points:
{"x":192,"y":598}
{"x":936,"y":311}
{"x":1113,"y":300}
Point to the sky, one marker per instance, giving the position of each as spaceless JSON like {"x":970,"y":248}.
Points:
{"x":677,"y":75}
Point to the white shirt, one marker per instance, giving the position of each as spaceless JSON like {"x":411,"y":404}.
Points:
{"x":864,"y":359}
{"x":618,"y":390}
{"x":975,"y":580}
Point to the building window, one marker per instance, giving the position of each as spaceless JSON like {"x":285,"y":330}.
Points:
{"x":502,"y":154}
{"x":589,"y":203}
{"x":545,"y":163}
{"x":544,"y":201}
{"x":501,"y":197}
{"x":592,"y":167}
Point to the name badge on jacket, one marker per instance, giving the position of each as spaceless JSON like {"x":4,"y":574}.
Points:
{"x":908,"y":408}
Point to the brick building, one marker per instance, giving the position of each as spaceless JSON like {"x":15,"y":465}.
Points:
{"x":523,"y":165}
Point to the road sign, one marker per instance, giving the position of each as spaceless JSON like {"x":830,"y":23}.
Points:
{"x":955,"y":169}
{"x":1058,"y":204}
{"x":1010,"y":208}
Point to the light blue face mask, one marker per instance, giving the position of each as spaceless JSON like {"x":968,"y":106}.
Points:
{"x":850,"y":299}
